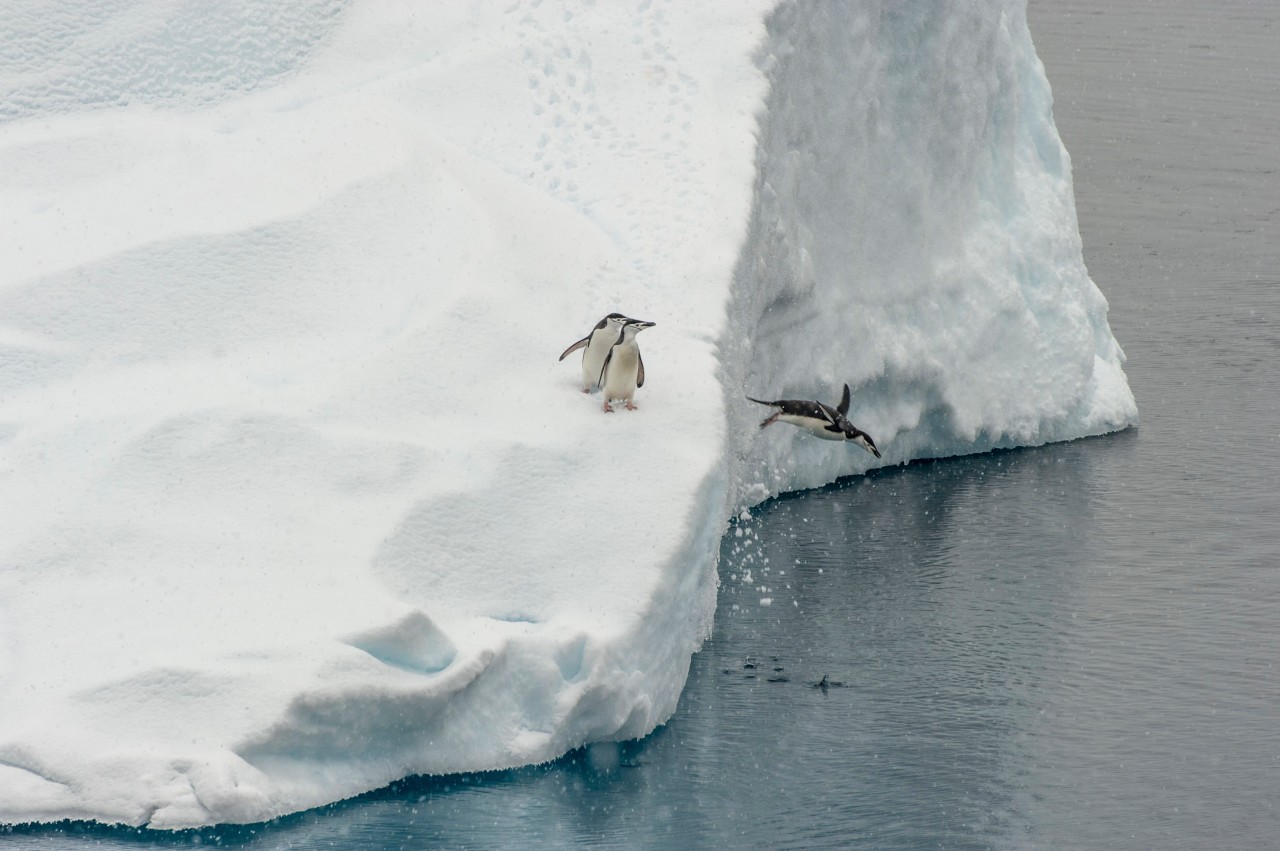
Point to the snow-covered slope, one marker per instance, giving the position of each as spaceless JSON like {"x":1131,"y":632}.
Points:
{"x":294,"y":497}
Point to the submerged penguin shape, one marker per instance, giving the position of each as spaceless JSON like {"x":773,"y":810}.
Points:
{"x":623,"y":368}
{"x":596,"y":346}
{"x":820,"y":419}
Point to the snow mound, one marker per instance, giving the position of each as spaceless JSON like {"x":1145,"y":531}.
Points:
{"x":298,"y":501}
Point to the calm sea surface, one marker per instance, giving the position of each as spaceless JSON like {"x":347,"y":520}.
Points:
{"x":1067,"y":647}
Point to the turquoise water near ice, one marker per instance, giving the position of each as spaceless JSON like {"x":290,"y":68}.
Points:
{"x":1066,"y":647}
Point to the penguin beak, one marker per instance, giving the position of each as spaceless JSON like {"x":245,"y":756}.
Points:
{"x":642,"y":325}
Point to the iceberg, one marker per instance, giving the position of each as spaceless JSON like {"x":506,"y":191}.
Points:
{"x":296,"y":498}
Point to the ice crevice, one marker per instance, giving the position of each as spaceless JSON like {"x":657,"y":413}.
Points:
{"x":296,"y":499}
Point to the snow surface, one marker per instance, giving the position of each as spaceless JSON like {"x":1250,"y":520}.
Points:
{"x":296,"y":500}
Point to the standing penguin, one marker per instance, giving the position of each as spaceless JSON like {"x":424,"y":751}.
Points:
{"x":819,"y":419}
{"x":623,"y":369}
{"x":597,"y":345}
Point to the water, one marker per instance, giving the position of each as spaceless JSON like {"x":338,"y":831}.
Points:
{"x":1067,"y":647}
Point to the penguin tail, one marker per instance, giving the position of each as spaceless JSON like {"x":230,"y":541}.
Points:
{"x":760,"y":401}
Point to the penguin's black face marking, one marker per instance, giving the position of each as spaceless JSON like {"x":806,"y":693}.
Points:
{"x":614,"y":317}
{"x":854,"y":435}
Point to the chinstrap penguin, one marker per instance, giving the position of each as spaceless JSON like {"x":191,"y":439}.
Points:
{"x":820,"y":419}
{"x":623,"y":368}
{"x":597,"y":345}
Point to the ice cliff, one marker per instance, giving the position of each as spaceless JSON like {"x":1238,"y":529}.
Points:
{"x":295,"y":499}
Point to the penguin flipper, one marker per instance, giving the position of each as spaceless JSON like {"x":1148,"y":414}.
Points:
{"x":827,"y":415}
{"x":843,"y":407}
{"x":640,"y":373}
{"x":584,"y":341}
{"x":604,"y":367}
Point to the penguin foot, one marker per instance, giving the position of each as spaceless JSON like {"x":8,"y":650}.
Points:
{"x":586,"y":390}
{"x":608,"y":409}
{"x":773,"y":419}
{"x":630,"y":405}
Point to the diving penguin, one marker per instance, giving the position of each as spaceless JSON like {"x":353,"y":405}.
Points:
{"x":822,"y":420}
{"x":597,"y":345}
{"x":623,"y":369}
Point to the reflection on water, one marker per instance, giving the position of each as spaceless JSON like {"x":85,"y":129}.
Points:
{"x":936,"y":595}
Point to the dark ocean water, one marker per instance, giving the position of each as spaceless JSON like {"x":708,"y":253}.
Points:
{"x":1067,"y":647}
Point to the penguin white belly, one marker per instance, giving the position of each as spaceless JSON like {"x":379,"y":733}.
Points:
{"x":593,"y":359}
{"x":620,"y":376}
{"x":816,"y":427}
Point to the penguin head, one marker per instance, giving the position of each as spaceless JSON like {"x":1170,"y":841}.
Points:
{"x":862,"y":439}
{"x":631,"y":327}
